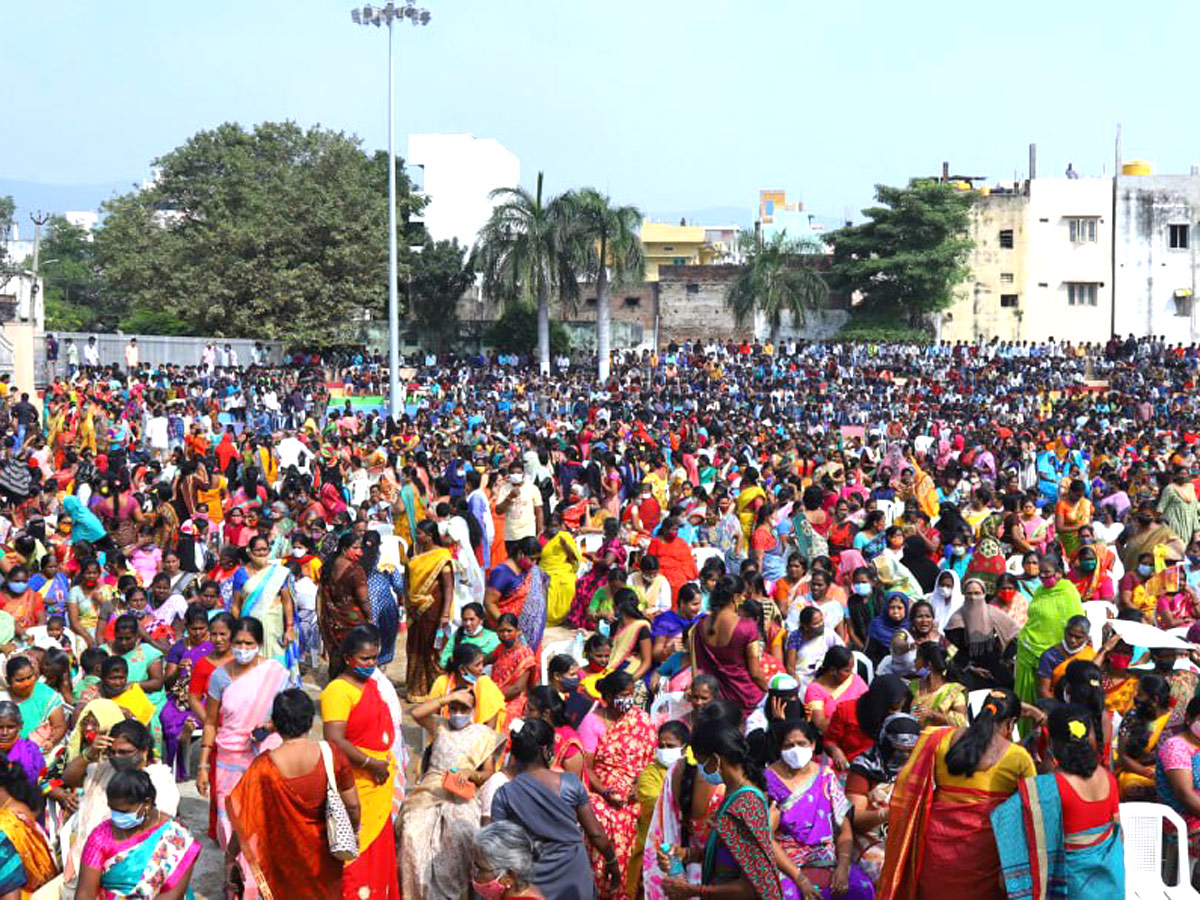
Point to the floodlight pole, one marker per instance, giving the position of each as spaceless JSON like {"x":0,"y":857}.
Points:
{"x":369,"y":15}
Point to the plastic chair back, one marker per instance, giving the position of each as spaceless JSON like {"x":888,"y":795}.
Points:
{"x":1142,"y":827}
{"x":1098,"y":612}
{"x":549,"y":651}
{"x":864,"y":666}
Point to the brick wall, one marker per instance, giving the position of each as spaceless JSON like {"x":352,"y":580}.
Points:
{"x":691,"y":304}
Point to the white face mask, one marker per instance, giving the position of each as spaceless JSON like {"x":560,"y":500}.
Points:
{"x":668,"y":756}
{"x":245,"y":655}
{"x":516,"y":478}
{"x":797,"y":757}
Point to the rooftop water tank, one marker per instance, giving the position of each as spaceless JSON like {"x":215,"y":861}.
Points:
{"x":1136,"y":167}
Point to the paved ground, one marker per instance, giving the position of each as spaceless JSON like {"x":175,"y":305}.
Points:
{"x":208,"y":875}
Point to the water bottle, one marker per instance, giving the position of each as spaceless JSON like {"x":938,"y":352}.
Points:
{"x":577,"y":646}
{"x":675,"y":866}
{"x":439,"y":640}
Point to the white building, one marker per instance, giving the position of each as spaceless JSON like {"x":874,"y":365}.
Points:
{"x":85,"y":219}
{"x":460,"y":171}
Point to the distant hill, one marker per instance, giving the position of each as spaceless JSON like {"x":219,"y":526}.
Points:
{"x":713,"y":215}
{"x":31,"y":196}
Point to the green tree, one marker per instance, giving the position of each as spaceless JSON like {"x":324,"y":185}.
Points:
{"x":518,"y":327}
{"x":779,"y":276}
{"x":525,"y":251}
{"x":609,"y":252}
{"x":274,"y":232}
{"x":75,"y":294}
{"x":440,"y":276}
{"x":8,"y":208}
{"x":907,"y":258}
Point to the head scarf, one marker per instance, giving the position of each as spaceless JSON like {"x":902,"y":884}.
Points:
{"x":981,"y":621}
{"x":848,"y":561}
{"x":882,"y":628}
{"x":106,"y":713}
{"x":894,"y":576}
{"x":85,"y":525}
{"x":881,"y":764}
{"x":945,"y":602}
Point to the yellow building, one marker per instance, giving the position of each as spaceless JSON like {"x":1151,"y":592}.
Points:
{"x":675,"y":245}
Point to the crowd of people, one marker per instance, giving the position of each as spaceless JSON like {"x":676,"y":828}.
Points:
{"x":748,"y":620}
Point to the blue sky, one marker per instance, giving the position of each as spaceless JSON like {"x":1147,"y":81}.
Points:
{"x":667,"y":104}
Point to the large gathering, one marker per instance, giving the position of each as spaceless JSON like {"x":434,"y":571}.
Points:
{"x":750,"y":620}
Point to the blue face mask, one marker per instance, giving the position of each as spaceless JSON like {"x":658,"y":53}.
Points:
{"x":18,"y":587}
{"x":468,"y":677}
{"x":364,"y":672}
{"x":1145,"y":571}
{"x":126,"y":821}
{"x":862,"y":589}
{"x":711,"y":777}
{"x":603,"y":628}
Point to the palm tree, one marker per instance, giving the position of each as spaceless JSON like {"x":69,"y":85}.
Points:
{"x":609,"y":251}
{"x":777,"y":277}
{"x":524,"y":249}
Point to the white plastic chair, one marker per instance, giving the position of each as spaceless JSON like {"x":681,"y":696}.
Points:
{"x":549,"y":651}
{"x":975,"y":701}
{"x":703,"y":554}
{"x":1098,"y":612}
{"x":1142,"y":827}
{"x":863,"y":664}
{"x":590,"y":543}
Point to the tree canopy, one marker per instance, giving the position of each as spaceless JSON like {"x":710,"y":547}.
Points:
{"x":779,"y":277}
{"x":907,"y":258}
{"x":75,"y":294}
{"x":440,"y":276}
{"x":7,"y":209}
{"x":275,"y":232}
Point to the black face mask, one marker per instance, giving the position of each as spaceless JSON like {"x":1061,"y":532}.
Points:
{"x":124,"y":763}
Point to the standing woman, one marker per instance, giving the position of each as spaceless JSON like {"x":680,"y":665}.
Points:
{"x":263,"y":590}
{"x":940,"y":839}
{"x":359,"y":722}
{"x":1070,"y":819}
{"x":623,"y":751}
{"x":240,"y":694}
{"x":177,"y":717}
{"x":739,"y":856}
{"x":430,"y":599}
{"x":727,"y":646}
{"x":560,"y":561}
{"x":515,"y":669}
{"x":385,"y":587}
{"x":343,"y":603}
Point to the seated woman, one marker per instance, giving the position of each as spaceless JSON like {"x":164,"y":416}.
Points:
{"x":835,"y":682}
{"x":808,"y":644}
{"x":809,"y":818}
{"x":515,"y":668}
{"x":471,"y":631}
{"x":40,"y":704}
{"x":1177,"y":775}
{"x":503,"y":863}
{"x":465,"y":672}
{"x":1138,"y":738}
{"x":939,"y":698}
{"x":1076,"y":644}
{"x":869,"y":789}
{"x":632,"y":648}
{"x":20,"y":752}
{"x":544,"y":703}
{"x":26,"y":860}
{"x":852,"y":726}
{"x":668,"y":633}
{"x":1064,"y":828}
{"x":441,"y":812}
{"x":140,"y":850}
{"x":892,"y":618}
{"x":985,"y":638}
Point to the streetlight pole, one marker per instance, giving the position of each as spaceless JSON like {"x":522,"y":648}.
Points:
{"x":377,"y":16}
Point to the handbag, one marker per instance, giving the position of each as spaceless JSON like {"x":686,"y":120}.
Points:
{"x":343,"y":840}
{"x":458,"y":785}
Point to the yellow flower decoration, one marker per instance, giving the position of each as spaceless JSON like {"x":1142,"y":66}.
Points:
{"x":1078,"y":729}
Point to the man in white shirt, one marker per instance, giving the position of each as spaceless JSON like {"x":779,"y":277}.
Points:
{"x":521,"y":505}
{"x":91,"y":352}
{"x":131,"y":355}
{"x":292,"y":452}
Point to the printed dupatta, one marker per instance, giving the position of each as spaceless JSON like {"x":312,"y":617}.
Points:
{"x":744,"y":827}
{"x":151,"y":862}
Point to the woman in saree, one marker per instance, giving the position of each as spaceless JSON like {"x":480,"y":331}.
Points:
{"x":869,"y":787}
{"x":632,"y":645}
{"x":1060,"y":835}
{"x":509,"y":582}
{"x":623,"y":750}
{"x":343,"y":602}
{"x":1053,"y":604}
{"x":1139,"y":736}
{"x":938,"y":697}
{"x":1177,"y":772}
{"x":515,"y":668}
{"x":1076,"y":644}
{"x":42,"y":717}
{"x":26,"y":859}
{"x":442,"y":812}
{"x":750,"y":497}
{"x":177,"y":717}
{"x":1089,"y":576}
{"x":1179,"y":506}
{"x":465,"y":673}
{"x":16,"y":750}
{"x":263,"y":589}
{"x":739,"y":854}
{"x":1072,"y":513}
{"x":727,"y":646}
{"x":940,"y":840}
{"x":560,"y":561}
{"x":567,"y":754}
{"x":410,"y":507}
{"x":611,"y":554}
{"x":1038,"y":531}
{"x":240,"y":694}
{"x":810,"y":820}
{"x":835,"y":682}
{"x":278,"y":808}
{"x":429,"y":602}
{"x":140,"y":851}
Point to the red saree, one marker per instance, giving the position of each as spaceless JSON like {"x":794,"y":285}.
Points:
{"x":510,"y":664}
{"x":909,"y":818}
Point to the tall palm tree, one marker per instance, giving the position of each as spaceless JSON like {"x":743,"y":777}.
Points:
{"x":524,"y":250}
{"x":610,"y":252}
{"x":777,"y":277}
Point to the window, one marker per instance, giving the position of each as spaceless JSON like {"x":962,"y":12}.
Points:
{"x":590,"y":301}
{"x":1177,"y":237}
{"x":633,"y":301}
{"x":680,"y":261}
{"x":1006,"y":277}
{"x":769,"y":208}
{"x":1006,"y":239}
{"x":693,"y":288}
{"x":1083,"y":229}
{"x":1183,"y":302}
{"x":1082,"y":293}
{"x":1009,"y":301}
{"x":668,"y":249}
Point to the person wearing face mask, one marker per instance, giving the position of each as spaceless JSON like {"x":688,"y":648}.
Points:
{"x":624,"y":744}
{"x":27,"y":862}
{"x":1089,"y":576}
{"x":520,"y":502}
{"x":1076,"y":644}
{"x":440,"y":812}
{"x":344,"y":604}
{"x":741,"y":858}
{"x":611,"y":555}
{"x":360,"y":716}
{"x":465,"y":672}
{"x":1139,"y":737}
{"x":1053,"y":604}
{"x":471,"y":631}
{"x":115,"y":746}
{"x":1176,"y":784}
{"x":810,"y":819}
{"x":672,"y":741}
{"x":555,"y":810}
{"x":503,"y":864}
{"x":139,"y":850}
{"x":236,"y":709}
{"x":24,"y":604}
{"x":514,"y":666}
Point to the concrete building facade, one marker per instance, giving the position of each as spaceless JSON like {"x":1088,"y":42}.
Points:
{"x":460,"y":170}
